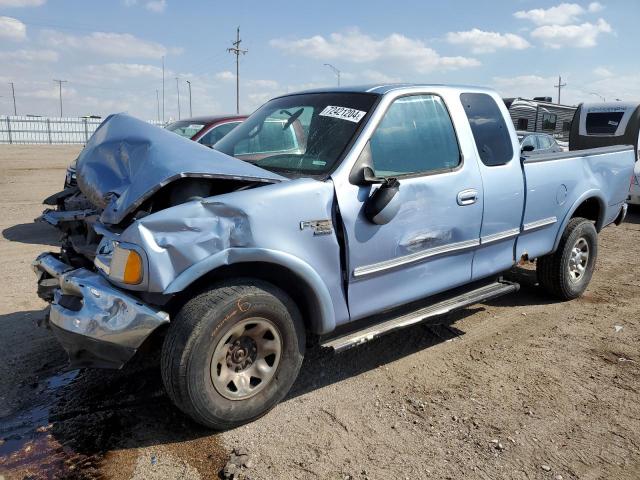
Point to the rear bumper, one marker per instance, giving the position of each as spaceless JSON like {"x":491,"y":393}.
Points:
{"x":98,"y":324}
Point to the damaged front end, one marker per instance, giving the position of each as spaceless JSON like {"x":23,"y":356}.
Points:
{"x":101,"y":310}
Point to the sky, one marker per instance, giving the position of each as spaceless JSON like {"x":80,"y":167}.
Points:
{"x":110,"y":52}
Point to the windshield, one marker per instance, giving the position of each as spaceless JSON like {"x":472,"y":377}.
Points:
{"x":185,"y":128}
{"x":299,"y":134}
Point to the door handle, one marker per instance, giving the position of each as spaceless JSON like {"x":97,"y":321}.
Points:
{"x":467,"y":197}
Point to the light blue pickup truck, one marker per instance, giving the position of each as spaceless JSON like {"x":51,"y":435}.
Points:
{"x":334,"y":215}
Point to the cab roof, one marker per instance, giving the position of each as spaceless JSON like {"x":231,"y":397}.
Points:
{"x":381,"y":89}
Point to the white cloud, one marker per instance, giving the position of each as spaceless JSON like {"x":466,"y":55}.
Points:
{"x":603,"y":72}
{"x":481,"y":41}
{"x":124,"y":71}
{"x":562,"y":14}
{"x":110,"y":44}
{"x":527,"y":86}
{"x":225,"y":76}
{"x":584,"y":35}
{"x":262,"y":84}
{"x":30,"y":56}
{"x":358,"y":47}
{"x":595,"y":7}
{"x":21,"y":3}
{"x":157,"y":6}
{"x":12,"y":29}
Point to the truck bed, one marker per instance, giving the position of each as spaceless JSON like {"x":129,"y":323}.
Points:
{"x":556,"y":184}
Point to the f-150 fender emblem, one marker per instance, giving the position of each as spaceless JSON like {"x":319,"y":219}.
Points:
{"x":319,"y":227}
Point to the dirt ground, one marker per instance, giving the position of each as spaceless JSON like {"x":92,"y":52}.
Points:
{"x":518,"y":388}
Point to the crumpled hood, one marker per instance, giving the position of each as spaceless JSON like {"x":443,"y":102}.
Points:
{"x":127,"y":160}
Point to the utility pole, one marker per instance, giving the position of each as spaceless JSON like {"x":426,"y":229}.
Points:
{"x":335,"y":70}
{"x":13,"y":92}
{"x":60,"y":82}
{"x":158,"y":103}
{"x":237,"y":51}
{"x":178,"y":90}
{"x":559,"y":87}
{"x":190,"y":109}
{"x":163,"y":89}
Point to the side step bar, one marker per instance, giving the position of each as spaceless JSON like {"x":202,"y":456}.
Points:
{"x":458,"y":302}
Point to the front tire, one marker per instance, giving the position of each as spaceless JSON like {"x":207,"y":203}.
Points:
{"x":233,"y":352}
{"x":566,"y":273}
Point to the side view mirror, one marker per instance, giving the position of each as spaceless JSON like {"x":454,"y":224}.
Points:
{"x":527,"y":148}
{"x":384,"y":203}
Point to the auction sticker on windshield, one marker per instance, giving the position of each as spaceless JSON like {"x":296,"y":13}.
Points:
{"x":344,"y":113}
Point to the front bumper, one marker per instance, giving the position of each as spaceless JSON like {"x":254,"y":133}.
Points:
{"x":98,"y":324}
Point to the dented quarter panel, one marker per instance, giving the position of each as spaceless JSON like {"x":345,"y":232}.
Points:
{"x":184,"y":242}
{"x":128,"y":160}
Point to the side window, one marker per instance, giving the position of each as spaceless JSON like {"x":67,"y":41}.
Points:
{"x":489,"y":128}
{"x":523,"y":123}
{"x":415,"y":136}
{"x":530,"y":140}
{"x":216,"y":133}
{"x":549,"y":121}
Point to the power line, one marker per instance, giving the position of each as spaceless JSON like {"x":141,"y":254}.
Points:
{"x":60,"y":82}
{"x":559,"y":87}
{"x":237,"y":51}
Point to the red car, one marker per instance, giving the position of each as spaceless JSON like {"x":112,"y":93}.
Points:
{"x":206,"y":130}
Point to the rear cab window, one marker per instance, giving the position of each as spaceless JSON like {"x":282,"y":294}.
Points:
{"x":489,"y":128}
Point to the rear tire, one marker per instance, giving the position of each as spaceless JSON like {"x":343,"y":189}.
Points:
{"x":233,"y":352}
{"x":566,"y":273}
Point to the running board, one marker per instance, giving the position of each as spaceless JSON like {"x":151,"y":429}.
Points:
{"x":458,"y":302}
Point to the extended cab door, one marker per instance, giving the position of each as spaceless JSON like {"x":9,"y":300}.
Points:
{"x":498,"y":153}
{"x":428,"y":246}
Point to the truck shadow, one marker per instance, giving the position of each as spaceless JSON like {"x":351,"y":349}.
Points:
{"x":35,"y":233}
{"x":633,"y":215}
{"x":67,"y":421}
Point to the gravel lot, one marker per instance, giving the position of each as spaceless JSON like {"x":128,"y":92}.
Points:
{"x":520,"y":388}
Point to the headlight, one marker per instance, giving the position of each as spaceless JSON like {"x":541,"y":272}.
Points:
{"x":120,"y":263}
{"x":126,"y":266}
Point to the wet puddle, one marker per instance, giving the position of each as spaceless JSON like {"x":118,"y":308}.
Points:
{"x":26,"y":443}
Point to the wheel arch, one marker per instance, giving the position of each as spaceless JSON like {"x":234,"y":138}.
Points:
{"x":292,"y":275}
{"x":590,"y":205}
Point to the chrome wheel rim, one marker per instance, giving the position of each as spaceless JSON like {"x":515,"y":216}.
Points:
{"x":578,"y":259}
{"x":246,"y":358}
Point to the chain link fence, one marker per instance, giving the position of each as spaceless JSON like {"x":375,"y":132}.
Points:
{"x":48,"y":130}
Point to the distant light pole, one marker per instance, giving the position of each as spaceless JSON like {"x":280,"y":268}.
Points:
{"x":60,"y":82}
{"x":163,"y":89}
{"x":598,"y":95}
{"x":158,"y":103}
{"x":190,"y":109}
{"x":178,"y":90}
{"x":13,"y":93}
{"x":335,"y":70}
